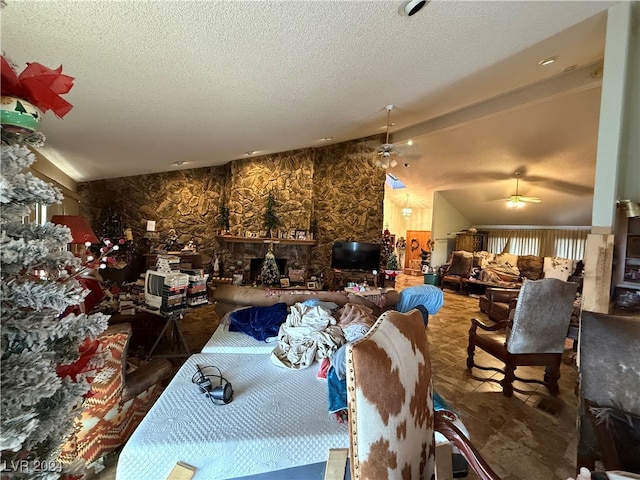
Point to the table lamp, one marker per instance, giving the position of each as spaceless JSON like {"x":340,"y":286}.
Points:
{"x":80,"y":231}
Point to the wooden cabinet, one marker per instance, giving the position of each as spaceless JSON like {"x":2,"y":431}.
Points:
{"x":627,"y":272}
{"x":472,"y":242}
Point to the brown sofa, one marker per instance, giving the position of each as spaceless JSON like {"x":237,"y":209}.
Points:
{"x":497,"y":303}
{"x":229,"y":297}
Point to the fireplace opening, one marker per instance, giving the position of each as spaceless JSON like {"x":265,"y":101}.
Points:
{"x":255,"y":267}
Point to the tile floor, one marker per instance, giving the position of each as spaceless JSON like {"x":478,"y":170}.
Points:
{"x":519,"y":439}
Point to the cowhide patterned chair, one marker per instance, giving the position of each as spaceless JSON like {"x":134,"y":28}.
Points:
{"x":390,"y":402}
{"x":535,"y":335}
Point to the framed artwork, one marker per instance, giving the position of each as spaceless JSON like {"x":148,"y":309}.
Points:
{"x":311,"y":285}
{"x":301,"y":235}
{"x":296,"y":275}
{"x":284,"y":282}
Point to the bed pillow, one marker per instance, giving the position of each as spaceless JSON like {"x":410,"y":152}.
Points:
{"x":461,"y":263}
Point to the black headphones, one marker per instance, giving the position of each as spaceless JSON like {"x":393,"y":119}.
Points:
{"x":220,"y":394}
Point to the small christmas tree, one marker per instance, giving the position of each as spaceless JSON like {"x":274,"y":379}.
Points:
{"x":270,"y":274}
{"x":392,"y":262}
{"x":270,"y":219}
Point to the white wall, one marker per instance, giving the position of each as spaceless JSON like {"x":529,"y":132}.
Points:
{"x":446,"y":220}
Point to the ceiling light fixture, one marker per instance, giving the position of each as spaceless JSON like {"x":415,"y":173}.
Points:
{"x":547,"y":61}
{"x":406,"y":211}
{"x":414,"y":6}
{"x":249,"y":153}
{"x":327,"y":139}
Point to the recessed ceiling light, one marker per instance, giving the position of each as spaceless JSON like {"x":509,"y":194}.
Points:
{"x":547,"y":61}
{"x":178,"y":163}
{"x":410,"y":142}
{"x":327,"y":139}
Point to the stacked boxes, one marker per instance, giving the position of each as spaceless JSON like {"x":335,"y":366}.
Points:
{"x":197,"y":289}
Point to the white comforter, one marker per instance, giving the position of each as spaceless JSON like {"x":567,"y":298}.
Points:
{"x":308,"y":334}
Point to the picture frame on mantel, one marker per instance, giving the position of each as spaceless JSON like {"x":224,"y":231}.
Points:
{"x":284,"y":282}
{"x":301,"y":235}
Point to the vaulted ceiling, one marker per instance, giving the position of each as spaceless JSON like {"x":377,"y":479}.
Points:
{"x":204,"y":82}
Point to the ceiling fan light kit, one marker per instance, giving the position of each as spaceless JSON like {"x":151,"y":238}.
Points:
{"x":386,"y":151}
{"x":518,"y":201}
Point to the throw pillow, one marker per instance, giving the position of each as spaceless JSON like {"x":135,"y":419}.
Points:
{"x":531,"y":266}
{"x":508,"y":261}
{"x":461,"y":263}
{"x":556,"y":267}
{"x":482,"y":259}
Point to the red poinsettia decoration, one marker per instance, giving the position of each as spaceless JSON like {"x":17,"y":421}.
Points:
{"x":39,"y":85}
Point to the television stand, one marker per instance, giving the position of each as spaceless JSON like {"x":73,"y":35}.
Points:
{"x":179,"y":347}
{"x":342,"y":277}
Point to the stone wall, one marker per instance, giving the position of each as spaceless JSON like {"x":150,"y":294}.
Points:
{"x":338,"y":186}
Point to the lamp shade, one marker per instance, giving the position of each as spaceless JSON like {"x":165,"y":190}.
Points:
{"x":80,"y":229}
{"x":630,"y":208}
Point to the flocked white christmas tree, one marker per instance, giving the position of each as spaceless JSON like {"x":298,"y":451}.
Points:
{"x":38,"y":285}
{"x":270,"y":274}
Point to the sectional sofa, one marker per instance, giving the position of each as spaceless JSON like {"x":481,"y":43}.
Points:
{"x":501,"y":269}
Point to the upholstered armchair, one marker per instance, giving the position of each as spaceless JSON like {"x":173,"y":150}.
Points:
{"x":535,"y":336}
{"x":609,"y":409}
{"x":458,"y":271}
{"x":119,"y":397}
{"x":390,"y":402}
{"x":497,"y":303}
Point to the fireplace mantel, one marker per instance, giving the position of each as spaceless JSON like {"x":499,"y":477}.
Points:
{"x":275,"y":241}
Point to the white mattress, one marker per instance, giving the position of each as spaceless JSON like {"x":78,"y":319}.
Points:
{"x":278,"y":419}
{"x":224,"y":341}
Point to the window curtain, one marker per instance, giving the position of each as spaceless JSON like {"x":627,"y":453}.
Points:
{"x":565,"y":243}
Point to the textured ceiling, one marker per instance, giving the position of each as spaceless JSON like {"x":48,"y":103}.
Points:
{"x":202,"y":82}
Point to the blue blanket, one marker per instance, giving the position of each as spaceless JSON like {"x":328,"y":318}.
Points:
{"x":259,"y":322}
{"x":428,"y":295}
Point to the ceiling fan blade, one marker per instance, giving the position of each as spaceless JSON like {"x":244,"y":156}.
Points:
{"x":530,"y":199}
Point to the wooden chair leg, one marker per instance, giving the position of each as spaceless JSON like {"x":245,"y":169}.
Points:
{"x":551,"y":376}
{"x":507,"y":381}
{"x":471,"y":348}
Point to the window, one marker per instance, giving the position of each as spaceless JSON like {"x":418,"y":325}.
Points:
{"x":564,"y":243}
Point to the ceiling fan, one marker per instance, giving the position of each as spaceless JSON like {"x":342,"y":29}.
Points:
{"x":517,"y":200}
{"x":387,"y":151}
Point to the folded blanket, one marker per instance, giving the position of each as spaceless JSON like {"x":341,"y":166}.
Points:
{"x":259,"y":322}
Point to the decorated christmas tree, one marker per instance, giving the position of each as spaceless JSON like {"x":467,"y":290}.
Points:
{"x":270,"y":274}
{"x":387,"y":247}
{"x":392,"y":262}
{"x":40,"y":331}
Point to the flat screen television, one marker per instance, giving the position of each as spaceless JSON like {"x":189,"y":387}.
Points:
{"x":356,"y":256}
